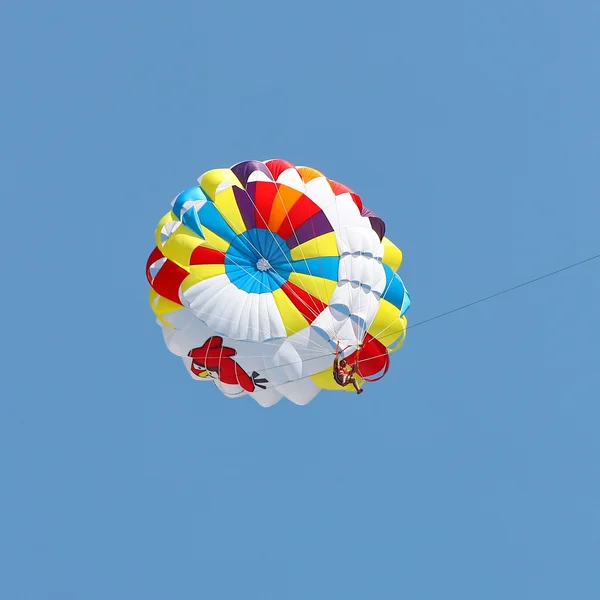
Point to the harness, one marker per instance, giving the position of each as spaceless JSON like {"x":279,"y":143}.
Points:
{"x":339,"y":377}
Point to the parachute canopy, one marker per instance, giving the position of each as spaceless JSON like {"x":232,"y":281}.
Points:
{"x":263,"y":271}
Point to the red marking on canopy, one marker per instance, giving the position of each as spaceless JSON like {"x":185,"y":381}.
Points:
{"x":206,"y":256}
{"x":309,"y":306}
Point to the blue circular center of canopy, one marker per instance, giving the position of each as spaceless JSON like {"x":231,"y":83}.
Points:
{"x":258,"y":261}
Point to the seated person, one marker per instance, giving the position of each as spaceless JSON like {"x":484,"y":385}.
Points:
{"x":343,"y":373}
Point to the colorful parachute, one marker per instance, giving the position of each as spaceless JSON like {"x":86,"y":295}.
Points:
{"x":263,"y":272}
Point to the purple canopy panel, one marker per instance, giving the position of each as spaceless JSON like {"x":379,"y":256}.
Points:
{"x":244,"y":169}
{"x":377,"y":223}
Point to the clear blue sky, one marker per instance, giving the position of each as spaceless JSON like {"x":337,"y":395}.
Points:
{"x":471,"y":471}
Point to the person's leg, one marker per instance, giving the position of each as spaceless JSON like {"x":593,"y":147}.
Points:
{"x":358,"y":390}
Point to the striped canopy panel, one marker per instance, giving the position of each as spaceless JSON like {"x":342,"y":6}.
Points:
{"x":263,"y":270}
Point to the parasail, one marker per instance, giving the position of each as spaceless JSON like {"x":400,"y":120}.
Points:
{"x":266,"y":277}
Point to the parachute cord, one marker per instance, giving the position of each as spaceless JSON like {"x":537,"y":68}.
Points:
{"x":464,"y":306}
{"x":311,"y":309}
{"x":337,"y":212}
{"x":506,"y":291}
{"x":486,"y":298}
{"x":328,"y":354}
{"x":361,"y":328}
{"x":260,"y":253}
{"x":315,"y":237}
{"x":151,"y":280}
{"x":305,"y":336}
{"x":395,"y":321}
{"x":314,"y":346}
{"x":152,"y":277}
{"x":298,"y":244}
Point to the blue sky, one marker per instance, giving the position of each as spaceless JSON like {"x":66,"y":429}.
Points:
{"x":471,"y":471}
